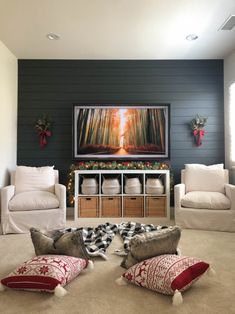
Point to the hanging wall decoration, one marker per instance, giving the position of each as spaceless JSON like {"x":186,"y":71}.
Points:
{"x":42,"y":126}
{"x":197,"y":125}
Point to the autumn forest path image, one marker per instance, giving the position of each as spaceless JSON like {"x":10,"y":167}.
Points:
{"x":120,"y":131}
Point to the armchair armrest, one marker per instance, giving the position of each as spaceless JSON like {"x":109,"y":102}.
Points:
{"x":230,"y":193}
{"x":60,"y":192}
{"x":179,"y":192}
{"x":7,"y":193}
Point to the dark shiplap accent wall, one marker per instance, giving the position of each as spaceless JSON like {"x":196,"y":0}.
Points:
{"x":52,"y":86}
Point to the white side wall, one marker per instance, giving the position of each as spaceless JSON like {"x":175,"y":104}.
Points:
{"x":229,"y":79}
{"x":8,"y":113}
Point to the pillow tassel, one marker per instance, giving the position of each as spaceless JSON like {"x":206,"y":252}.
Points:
{"x":211,"y":272}
{"x":121,"y":281}
{"x":2,"y":287}
{"x":60,"y":291}
{"x":120,"y":252}
{"x":177,"y":298}
{"x":103,"y":256}
{"x":90,"y":265}
{"x":178,"y":251}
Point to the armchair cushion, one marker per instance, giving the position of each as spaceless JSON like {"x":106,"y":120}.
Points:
{"x":205,"y":200}
{"x":33,"y":200}
{"x":208,"y":179}
{"x":34,"y":179}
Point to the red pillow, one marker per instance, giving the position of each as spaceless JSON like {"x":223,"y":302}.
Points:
{"x":166,"y":273}
{"x":45,"y":273}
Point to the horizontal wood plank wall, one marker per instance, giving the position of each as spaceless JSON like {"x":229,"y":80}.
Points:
{"x":51,"y":87}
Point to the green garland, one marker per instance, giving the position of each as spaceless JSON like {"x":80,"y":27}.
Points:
{"x":42,"y":124}
{"x":198,"y":123}
{"x":113,"y":165}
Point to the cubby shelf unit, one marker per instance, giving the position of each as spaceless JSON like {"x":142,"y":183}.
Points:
{"x":122,"y":204}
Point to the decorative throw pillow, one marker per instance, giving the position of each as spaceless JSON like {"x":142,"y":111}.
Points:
{"x":167,"y":274}
{"x":204,"y":179}
{"x":153,"y":243}
{"x":70,"y":243}
{"x":201,"y":166}
{"x":34,"y":179}
{"x":47,"y":273}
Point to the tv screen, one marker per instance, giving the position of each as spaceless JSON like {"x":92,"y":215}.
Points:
{"x":120,"y":132}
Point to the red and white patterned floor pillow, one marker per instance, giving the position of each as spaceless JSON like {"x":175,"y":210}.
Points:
{"x":167,"y":274}
{"x":45,"y":273}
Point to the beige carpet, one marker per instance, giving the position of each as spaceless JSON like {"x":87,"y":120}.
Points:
{"x":96,"y":292}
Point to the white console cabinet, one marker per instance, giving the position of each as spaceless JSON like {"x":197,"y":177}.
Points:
{"x":122,"y":205}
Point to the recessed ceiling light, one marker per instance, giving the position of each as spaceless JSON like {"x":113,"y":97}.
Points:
{"x":52,"y":36}
{"x":191,"y":37}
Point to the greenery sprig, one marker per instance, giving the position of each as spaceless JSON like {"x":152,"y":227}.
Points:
{"x":198,"y":123}
{"x":42,"y":124}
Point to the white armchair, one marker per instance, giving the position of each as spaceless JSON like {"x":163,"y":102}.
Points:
{"x":34,"y":199}
{"x":204,"y":200}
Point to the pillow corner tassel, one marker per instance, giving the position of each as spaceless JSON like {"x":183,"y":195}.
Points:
{"x":211,"y":272}
{"x":90,"y":265}
{"x":177,"y":298}
{"x":2,"y":287}
{"x":121,"y":281}
{"x":60,"y":291}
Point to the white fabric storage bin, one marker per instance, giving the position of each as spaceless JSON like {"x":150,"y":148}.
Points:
{"x":154,"y":190}
{"x":111,"y":186}
{"x":154,"y":186}
{"x":133,"y":186}
{"x":132,"y":182}
{"x":133,"y":189}
{"x":89,"y":186}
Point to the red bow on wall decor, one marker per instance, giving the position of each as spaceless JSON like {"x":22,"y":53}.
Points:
{"x":42,"y":126}
{"x":197,"y":125}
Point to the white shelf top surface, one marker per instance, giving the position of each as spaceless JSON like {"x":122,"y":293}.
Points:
{"x":121,"y":171}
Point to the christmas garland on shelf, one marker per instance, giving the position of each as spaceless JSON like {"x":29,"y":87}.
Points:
{"x":113,"y":165}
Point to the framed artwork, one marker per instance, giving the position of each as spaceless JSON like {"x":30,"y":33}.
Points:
{"x":120,"y":131}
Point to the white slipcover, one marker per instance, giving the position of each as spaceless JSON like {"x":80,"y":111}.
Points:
{"x":206,"y":200}
{"x":20,"y":221}
{"x":204,"y":180}
{"x":34,"y":179}
{"x":206,"y":218}
{"x":33,"y":200}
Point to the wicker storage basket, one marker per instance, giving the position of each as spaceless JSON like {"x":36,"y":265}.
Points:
{"x":89,"y":186}
{"x":154,"y":186}
{"x":111,"y":186}
{"x":133,"y":186}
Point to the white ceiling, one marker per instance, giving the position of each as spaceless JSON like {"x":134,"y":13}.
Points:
{"x":116,"y":29}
